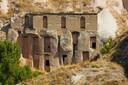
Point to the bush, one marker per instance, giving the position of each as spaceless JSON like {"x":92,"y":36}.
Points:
{"x":9,"y":60}
{"x":107,"y":46}
{"x":36,"y":73}
{"x":10,"y":71}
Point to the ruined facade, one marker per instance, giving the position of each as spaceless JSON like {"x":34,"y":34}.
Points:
{"x":50,"y":40}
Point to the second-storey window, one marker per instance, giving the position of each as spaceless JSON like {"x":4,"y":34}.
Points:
{"x":45,"y":21}
{"x":28,"y":21}
{"x":82,"y":22}
{"x":63,"y":22}
{"x":93,"y":42}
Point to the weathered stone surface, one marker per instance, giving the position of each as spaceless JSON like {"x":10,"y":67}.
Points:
{"x":54,"y":62}
{"x":54,"y":40}
{"x":83,"y":45}
{"x":66,"y":41}
{"x":2,"y":35}
{"x":94,"y":55}
{"x":17,"y":23}
{"x":84,"y":41}
{"x":66,"y":45}
{"x":12,"y":35}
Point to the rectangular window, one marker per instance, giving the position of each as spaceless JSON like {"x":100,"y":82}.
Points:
{"x":46,"y":63}
{"x":82,"y":22}
{"x":29,"y":21}
{"x":64,"y":59}
{"x":63,"y":22}
{"x":85,"y":55}
{"x":47,"y":47}
{"x":93,"y":42}
{"x":45,"y":21}
{"x":75,"y":36}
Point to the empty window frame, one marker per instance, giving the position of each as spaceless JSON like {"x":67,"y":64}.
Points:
{"x":64,"y":59}
{"x":82,"y":22}
{"x":29,"y":21}
{"x":63,"y":22}
{"x":47,"y":65}
{"x":85,"y":55}
{"x":45,"y":21}
{"x":93,"y":42}
{"x":75,"y":36}
{"x":47,"y":46}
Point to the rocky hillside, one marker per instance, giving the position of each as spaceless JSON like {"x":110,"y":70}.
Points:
{"x":111,"y":18}
{"x":112,"y":21}
{"x":100,"y":72}
{"x":119,"y":53}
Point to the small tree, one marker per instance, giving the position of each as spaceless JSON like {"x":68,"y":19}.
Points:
{"x":9,"y":60}
{"x":10,"y":71}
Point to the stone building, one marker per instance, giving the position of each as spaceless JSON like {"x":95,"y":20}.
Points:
{"x":50,"y":40}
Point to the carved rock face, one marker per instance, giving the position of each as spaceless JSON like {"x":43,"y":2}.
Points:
{"x":2,"y":35}
{"x":66,"y":41}
{"x":83,"y":41}
{"x":53,"y":40}
{"x":12,"y":35}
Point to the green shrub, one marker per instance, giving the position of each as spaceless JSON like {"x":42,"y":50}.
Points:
{"x":9,"y":60}
{"x":10,"y":71}
{"x":36,"y":73}
{"x":107,"y":46}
